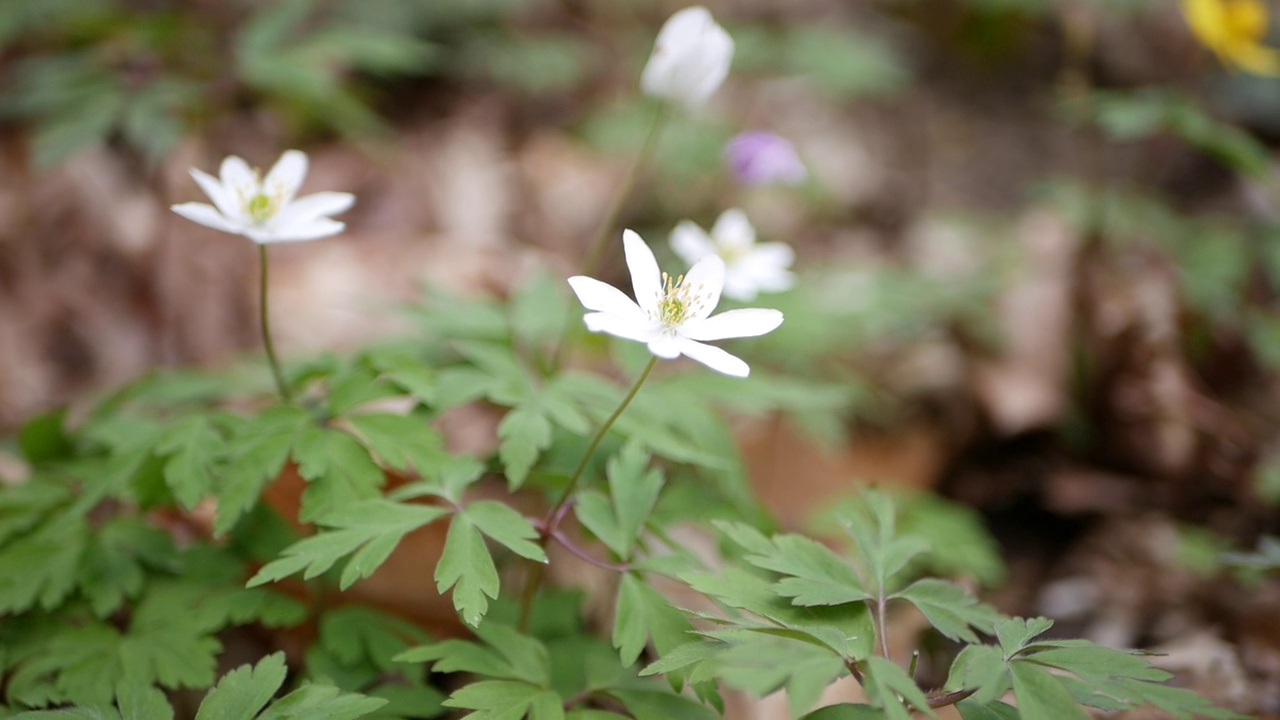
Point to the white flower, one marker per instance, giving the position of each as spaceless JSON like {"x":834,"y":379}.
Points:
{"x":671,"y":315}
{"x":690,"y":59}
{"x":749,"y":268}
{"x":265,"y":209}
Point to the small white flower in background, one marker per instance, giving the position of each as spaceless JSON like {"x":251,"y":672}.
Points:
{"x":750,"y":268}
{"x":672,"y":315}
{"x":763,"y":158}
{"x":265,"y":210}
{"x":690,"y":59}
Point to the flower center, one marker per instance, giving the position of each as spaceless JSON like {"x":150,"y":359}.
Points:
{"x":677,"y":301}
{"x":261,"y":208}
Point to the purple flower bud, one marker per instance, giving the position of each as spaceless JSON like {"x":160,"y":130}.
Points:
{"x":763,"y":158}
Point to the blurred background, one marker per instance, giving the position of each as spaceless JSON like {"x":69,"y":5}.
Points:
{"x":1038,"y":245}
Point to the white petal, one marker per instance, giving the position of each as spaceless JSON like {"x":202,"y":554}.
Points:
{"x":715,"y":358}
{"x":706,"y":279}
{"x":666,"y":346}
{"x":690,"y":59}
{"x":223,"y":200}
{"x":747,"y":322}
{"x":775,"y":254}
{"x":646,"y":281}
{"x":208,"y":216}
{"x":239,"y":180}
{"x":612,"y":324}
{"x":311,"y":207}
{"x":297,"y":232}
{"x":733,"y":230}
{"x":717,"y":59}
{"x":776,"y":281}
{"x":690,"y":242}
{"x":740,"y":286}
{"x":605,"y":298}
{"x":286,"y":176}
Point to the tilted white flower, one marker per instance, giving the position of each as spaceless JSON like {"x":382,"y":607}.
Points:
{"x":750,"y":268}
{"x":672,"y":315}
{"x":690,"y":59}
{"x":265,"y":210}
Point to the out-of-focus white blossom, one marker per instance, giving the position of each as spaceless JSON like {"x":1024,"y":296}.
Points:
{"x":690,"y":59}
{"x":750,"y":268}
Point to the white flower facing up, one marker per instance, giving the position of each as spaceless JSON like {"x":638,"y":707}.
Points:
{"x":266,"y":210}
{"x":690,"y":59}
{"x":672,"y":316}
{"x":750,"y":268}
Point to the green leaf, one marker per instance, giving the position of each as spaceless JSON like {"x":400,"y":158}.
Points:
{"x":971,"y":709}
{"x":526,"y":656}
{"x":41,"y":567}
{"x":885,"y":681}
{"x":245,"y":691}
{"x":498,"y":699}
{"x":259,"y":449}
{"x":191,"y":446}
{"x":404,"y":442}
{"x":1040,"y":696}
{"x":643,"y":613}
{"x":338,"y":469}
{"x":43,"y":438}
{"x":949,"y":609}
{"x":883,"y":551}
{"x":657,"y":705}
{"x":981,"y":668}
{"x":525,"y":433}
{"x":508,"y":527}
{"x":1014,"y":633}
{"x":321,"y":702}
{"x":815,"y":574}
{"x":634,"y":490}
{"x":371,"y":529}
{"x":139,"y":701}
{"x":466,"y":563}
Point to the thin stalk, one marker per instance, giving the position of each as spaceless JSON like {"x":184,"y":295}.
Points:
{"x":884,"y":627}
{"x":551,"y":523}
{"x":596,"y":248}
{"x":264,"y":318}
{"x":607,"y":222}
{"x":553,"y":516}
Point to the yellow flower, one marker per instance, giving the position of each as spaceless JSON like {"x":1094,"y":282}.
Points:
{"x":1233,"y":29}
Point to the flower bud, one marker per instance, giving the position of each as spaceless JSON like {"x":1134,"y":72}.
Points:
{"x":690,"y":59}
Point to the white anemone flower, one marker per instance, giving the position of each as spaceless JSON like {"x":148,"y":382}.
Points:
{"x":672,"y":316}
{"x":266,"y":210}
{"x":690,"y":59}
{"x":750,"y":267}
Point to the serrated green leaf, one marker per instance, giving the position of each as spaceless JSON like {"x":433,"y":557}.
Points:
{"x":1014,"y":633}
{"x":657,"y":705}
{"x":508,"y":527}
{"x":593,"y":510}
{"x":355,"y":386}
{"x":886,"y":681}
{"x":139,"y":701}
{"x":526,"y":656}
{"x":339,"y":471}
{"x":371,"y":529}
{"x":981,"y":668}
{"x":404,"y":442}
{"x":814,"y":574}
{"x":191,"y":446}
{"x":950,"y":610}
{"x":321,"y":702}
{"x":643,"y":613}
{"x":525,"y":433}
{"x":1040,"y":696}
{"x":883,"y":552}
{"x":41,"y":568}
{"x":245,"y":691}
{"x":496,"y":699}
{"x":971,"y":709}
{"x":259,"y":449}
{"x":634,"y":490}
{"x":24,"y":505}
{"x":466,"y":563}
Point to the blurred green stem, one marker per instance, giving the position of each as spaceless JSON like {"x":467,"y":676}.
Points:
{"x":595,"y":250}
{"x":551,"y":522}
{"x":264,"y":317}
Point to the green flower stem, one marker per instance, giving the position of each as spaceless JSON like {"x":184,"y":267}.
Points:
{"x":551,"y":522}
{"x":553,"y":516}
{"x":610,"y":219}
{"x":264,"y":317}
{"x":596,"y":249}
